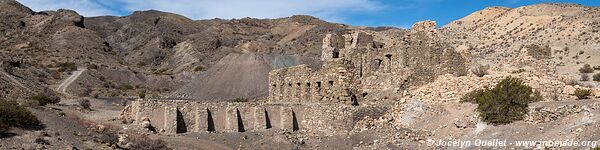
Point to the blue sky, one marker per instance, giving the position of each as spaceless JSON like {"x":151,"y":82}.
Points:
{"x":398,"y":13}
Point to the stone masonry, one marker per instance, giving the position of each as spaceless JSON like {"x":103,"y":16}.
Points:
{"x":315,"y":100}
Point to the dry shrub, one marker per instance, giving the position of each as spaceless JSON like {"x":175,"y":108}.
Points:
{"x":586,"y":69}
{"x":480,"y":70}
{"x":141,"y":142}
{"x":585,"y":77}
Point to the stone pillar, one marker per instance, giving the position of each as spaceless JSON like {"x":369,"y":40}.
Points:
{"x":231,"y":120}
{"x":170,"y":120}
{"x":201,"y":119}
{"x":260,"y":120}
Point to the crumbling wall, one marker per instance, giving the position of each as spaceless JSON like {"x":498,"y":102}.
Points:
{"x":181,"y":116}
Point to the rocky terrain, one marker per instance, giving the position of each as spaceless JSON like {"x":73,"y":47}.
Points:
{"x":96,"y":66}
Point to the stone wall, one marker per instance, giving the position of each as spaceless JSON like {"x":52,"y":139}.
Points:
{"x":356,"y":65}
{"x":181,"y":116}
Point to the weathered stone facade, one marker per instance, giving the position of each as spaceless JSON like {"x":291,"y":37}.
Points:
{"x":316,"y":100}
{"x":357,"y":65}
{"x":181,"y":116}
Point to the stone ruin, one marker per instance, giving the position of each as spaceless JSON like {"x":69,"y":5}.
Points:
{"x":356,"y":65}
{"x":315,"y":100}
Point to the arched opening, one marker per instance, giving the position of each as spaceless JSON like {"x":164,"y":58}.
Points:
{"x":181,"y":126}
{"x":376,"y":64}
{"x":335,"y":54}
{"x":354,"y":100}
{"x":267,"y":120}
{"x":295,"y":125}
{"x":240,"y":122}
{"x":210,"y":121}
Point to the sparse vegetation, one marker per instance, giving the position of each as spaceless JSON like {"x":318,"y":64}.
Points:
{"x":67,"y":67}
{"x":518,"y":71}
{"x":44,"y":100}
{"x":481,"y":70}
{"x":13,"y":115}
{"x":505,"y":103}
{"x":85,"y":104}
{"x":240,"y":99}
{"x":142,"y":94}
{"x":108,"y":136}
{"x":583,"y":93}
{"x":125,"y":87}
{"x":198,"y":69}
{"x":92,"y":66}
{"x":586,"y":69}
{"x":585,"y":77}
{"x":596,"y":77}
{"x":141,"y":142}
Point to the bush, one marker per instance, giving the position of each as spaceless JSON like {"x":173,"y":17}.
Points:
{"x":481,"y":70}
{"x":108,"y":136}
{"x":140,"y":142}
{"x":240,"y":99}
{"x":518,"y":71}
{"x":13,"y":115}
{"x":505,"y":103}
{"x":43,"y":100}
{"x":126,"y":87}
{"x":85,"y":104}
{"x":586,"y":69}
{"x":583,"y":93}
{"x":585,"y":77}
{"x":92,"y":66}
{"x":67,"y":67}
{"x":142,"y":94}
{"x":198,"y":69}
{"x":596,"y":77}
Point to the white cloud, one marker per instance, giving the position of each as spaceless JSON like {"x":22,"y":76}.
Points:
{"x":332,"y":10}
{"x":83,"y":7}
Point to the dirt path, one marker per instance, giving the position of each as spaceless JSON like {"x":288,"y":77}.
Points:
{"x":11,"y":78}
{"x":62,"y":88}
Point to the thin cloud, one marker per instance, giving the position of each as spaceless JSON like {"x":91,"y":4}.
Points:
{"x":331,"y":10}
{"x":83,"y":7}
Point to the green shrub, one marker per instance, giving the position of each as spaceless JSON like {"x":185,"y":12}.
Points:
{"x":240,"y":99}
{"x":67,"y":67}
{"x":198,"y":69}
{"x":43,"y":100}
{"x":142,"y":94}
{"x":586,"y":69}
{"x":596,"y":77}
{"x":583,"y":93}
{"x":13,"y":115}
{"x":505,"y":103}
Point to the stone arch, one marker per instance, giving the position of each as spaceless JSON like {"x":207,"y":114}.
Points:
{"x":295,"y":124}
{"x":335,"y":54}
{"x":376,"y":65}
{"x":181,"y":125}
{"x":240,"y":122}
{"x":210,"y":121}
{"x":267,"y":120}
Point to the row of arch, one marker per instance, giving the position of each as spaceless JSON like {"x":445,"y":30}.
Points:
{"x":235,"y":120}
{"x":300,"y":92}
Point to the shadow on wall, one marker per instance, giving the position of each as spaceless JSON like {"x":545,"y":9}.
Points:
{"x":267,"y":120}
{"x":210,"y":121}
{"x":181,"y":126}
{"x":295,"y":126}
{"x":239,"y":121}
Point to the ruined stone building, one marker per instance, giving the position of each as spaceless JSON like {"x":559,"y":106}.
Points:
{"x":356,"y":65}
{"x":322,"y":100}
